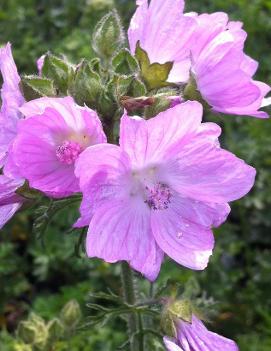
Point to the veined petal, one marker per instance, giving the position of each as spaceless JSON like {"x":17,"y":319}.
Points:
{"x":205,"y":172}
{"x":11,"y":95}
{"x":162,"y":30}
{"x":187,"y":243}
{"x":102,"y":157}
{"x":171,"y":345}
{"x":118,"y":232}
{"x":148,"y":141}
{"x":200,"y":338}
{"x":7,"y":212}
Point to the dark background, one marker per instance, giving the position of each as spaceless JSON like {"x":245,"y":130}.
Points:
{"x":42,"y":275}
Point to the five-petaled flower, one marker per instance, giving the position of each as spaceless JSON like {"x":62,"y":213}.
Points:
{"x":50,"y":139}
{"x":160,"y":191}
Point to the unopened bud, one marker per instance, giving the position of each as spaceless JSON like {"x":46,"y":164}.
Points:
{"x":71,"y":314}
{"x":55,"y":329}
{"x":108,"y":35}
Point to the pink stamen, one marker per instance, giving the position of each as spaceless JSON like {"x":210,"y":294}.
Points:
{"x":158,"y":197}
{"x":68,"y":152}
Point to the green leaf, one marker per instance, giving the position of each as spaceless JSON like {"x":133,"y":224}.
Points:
{"x":125,"y":63}
{"x":87,"y":87}
{"x":119,"y":86}
{"x":138,"y":88}
{"x":34,"y":87}
{"x":155,"y":75}
{"x":108,"y":36}
{"x":60,"y":71}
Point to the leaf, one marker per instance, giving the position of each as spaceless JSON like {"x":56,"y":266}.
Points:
{"x":125,"y":63}
{"x":60,"y":71}
{"x":87,"y":87}
{"x":34,"y":87}
{"x":155,"y":75}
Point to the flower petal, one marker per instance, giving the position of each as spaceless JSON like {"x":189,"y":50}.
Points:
{"x":118,"y":232}
{"x":148,"y":141}
{"x":171,"y":344}
{"x":201,"y":339}
{"x":11,"y":95}
{"x":205,"y":172}
{"x":188,"y":243}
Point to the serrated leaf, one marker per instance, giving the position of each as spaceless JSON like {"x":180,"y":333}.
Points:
{"x":60,"y":71}
{"x":155,"y":75}
{"x":34,"y":87}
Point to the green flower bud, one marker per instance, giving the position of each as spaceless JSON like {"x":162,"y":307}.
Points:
{"x":71,"y":314}
{"x":108,"y":36}
{"x":55,"y":329}
{"x":33,"y":331}
{"x":26,"y":332}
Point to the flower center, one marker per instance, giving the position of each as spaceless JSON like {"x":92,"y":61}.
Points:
{"x":158,"y":196}
{"x":68,"y":152}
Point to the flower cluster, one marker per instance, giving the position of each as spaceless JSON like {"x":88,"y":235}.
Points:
{"x":167,"y":182}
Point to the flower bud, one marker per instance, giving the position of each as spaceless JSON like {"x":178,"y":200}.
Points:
{"x":181,"y":309}
{"x":26,"y":332}
{"x":33,"y":331}
{"x":108,"y":36}
{"x":71,"y":314}
{"x":55,"y":329}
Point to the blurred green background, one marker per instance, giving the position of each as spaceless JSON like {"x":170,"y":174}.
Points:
{"x":41,"y":276}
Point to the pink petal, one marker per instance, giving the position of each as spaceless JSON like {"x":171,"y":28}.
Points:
{"x":7,"y":212}
{"x":201,"y":339}
{"x":103,"y":157}
{"x":189,"y":244}
{"x":148,"y":141}
{"x":118,"y":232}
{"x":163,"y":31}
{"x":207,"y":173}
{"x":11,"y":95}
{"x":171,"y":344}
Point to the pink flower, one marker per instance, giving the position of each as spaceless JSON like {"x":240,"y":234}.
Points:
{"x":207,"y":47}
{"x":10,"y":202}
{"x":11,"y":98}
{"x":49,"y":141}
{"x":196,"y":337}
{"x":160,"y":191}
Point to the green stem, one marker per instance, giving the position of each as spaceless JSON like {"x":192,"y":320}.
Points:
{"x":129,"y":295}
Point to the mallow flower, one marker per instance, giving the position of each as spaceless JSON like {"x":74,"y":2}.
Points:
{"x":161,"y":191}
{"x":207,"y":55}
{"x":50,"y":139}
{"x":12,"y":99}
{"x":194,"y":336}
{"x":10,"y":202}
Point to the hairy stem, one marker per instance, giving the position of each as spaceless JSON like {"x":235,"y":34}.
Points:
{"x":129,"y":294}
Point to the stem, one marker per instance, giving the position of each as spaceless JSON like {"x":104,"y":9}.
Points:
{"x":129,"y":295}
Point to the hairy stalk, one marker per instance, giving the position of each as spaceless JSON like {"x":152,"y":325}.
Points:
{"x":129,"y":294}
